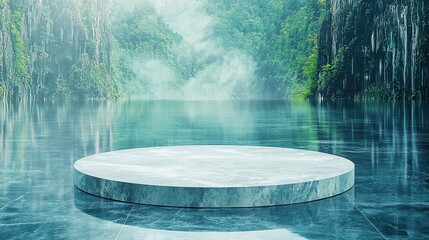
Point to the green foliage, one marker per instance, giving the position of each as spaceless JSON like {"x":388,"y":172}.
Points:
{"x":374,"y":92}
{"x":303,"y":91}
{"x":85,"y":78}
{"x":45,"y":31}
{"x":372,"y":62}
{"x":310,"y":67}
{"x":80,"y":49}
{"x":21,"y":75}
{"x":62,"y":88}
{"x":141,"y":33}
{"x":326,"y":80}
{"x":282,"y":38}
{"x":332,"y":77}
{"x":66,"y":53}
{"x":310,"y":73}
{"x":90,"y":80}
{"x":300,"y":33}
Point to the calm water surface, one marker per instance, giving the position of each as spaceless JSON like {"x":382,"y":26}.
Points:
{"x":388,"y":142}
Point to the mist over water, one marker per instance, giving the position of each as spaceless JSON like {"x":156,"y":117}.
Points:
{"x":217,"y":71}
{"x":157,"y":80}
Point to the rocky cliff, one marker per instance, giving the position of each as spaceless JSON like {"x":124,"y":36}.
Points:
{"x":377,"y":48}
{"x":54,"y":49}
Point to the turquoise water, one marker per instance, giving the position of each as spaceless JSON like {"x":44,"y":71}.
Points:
{"x":388,"y":142}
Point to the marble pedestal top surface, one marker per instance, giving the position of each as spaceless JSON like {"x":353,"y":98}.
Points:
{"x":214,"y":176}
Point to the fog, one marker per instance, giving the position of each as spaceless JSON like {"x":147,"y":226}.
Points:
{"x":222,"y":72}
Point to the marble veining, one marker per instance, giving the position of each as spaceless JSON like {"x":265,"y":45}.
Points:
{"x":214,"y":176}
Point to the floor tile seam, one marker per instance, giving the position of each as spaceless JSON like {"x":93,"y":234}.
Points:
{"x":408,"y":203}
{"x":21,"y":223}
{"x":360,"y":211}
{"x":16,"y":199}
{"x":126,"y":219}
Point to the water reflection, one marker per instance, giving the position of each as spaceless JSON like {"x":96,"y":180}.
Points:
{"x":388,"y":142}
{"x":391,"y":134}
{"x":216,"y":219}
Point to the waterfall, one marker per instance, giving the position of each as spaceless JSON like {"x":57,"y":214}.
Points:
{"x":391,"y":36}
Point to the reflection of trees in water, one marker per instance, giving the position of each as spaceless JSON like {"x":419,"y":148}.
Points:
{"x":28,"y":129}
{"x":92,"y":127}
{"x":387,"y":131}
{"x":388,"y":142}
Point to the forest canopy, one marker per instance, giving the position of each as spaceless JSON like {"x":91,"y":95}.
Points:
{"x":213,"y":49}
{"x":159,"y":49}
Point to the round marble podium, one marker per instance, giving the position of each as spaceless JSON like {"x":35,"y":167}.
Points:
{"x":214,"y":176}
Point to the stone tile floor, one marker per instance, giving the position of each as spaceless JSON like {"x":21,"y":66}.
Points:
{"x":388,"y":143}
